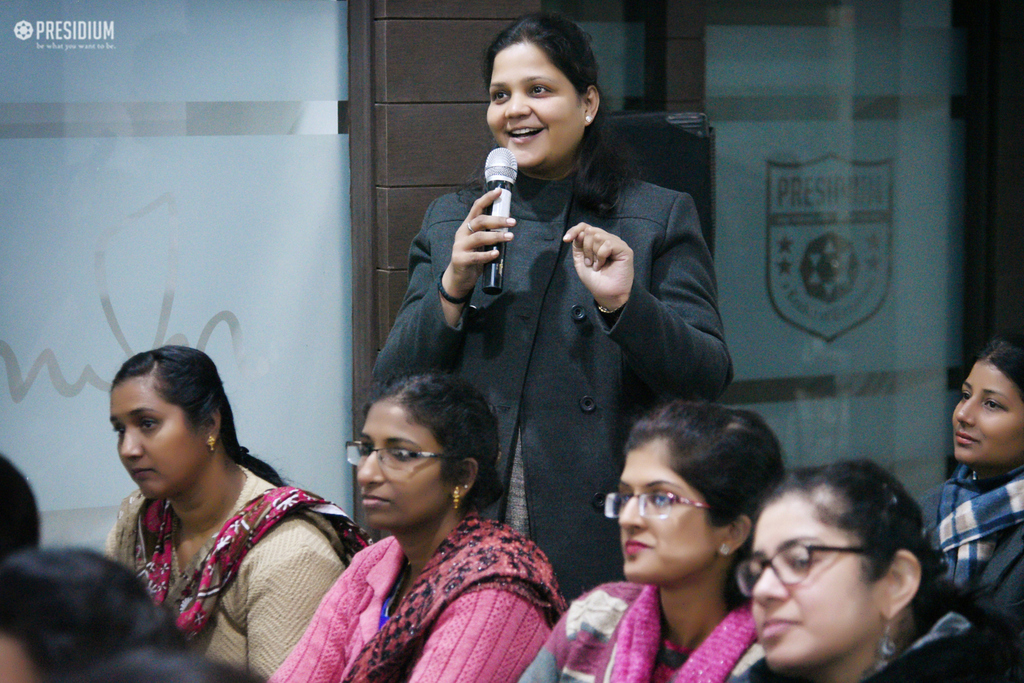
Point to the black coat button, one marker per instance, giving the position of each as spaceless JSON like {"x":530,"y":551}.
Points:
{"x":587,"y":404}
{"x":579,"y":313}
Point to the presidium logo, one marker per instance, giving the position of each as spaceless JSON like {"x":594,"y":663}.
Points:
{"x":66,"y":35}
{"x":829,"y":242}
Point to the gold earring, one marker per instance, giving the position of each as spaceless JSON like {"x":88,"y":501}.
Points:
{"x":211,"y":442}
{"x":456,"y":497}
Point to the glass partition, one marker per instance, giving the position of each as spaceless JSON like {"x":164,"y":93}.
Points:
{"x":172,"y":172}
{"x":840,"y":213}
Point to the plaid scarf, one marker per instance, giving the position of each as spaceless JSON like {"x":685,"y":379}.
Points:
{"x":478,"y":554}
{"x":155,"y":540}
{"x":971,"y":514}
{"x":639,"y":637}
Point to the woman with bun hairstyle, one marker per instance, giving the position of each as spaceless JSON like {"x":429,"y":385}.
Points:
{"x":213,"y":531}
{"x":608,"y":304}
{"x":448,"y":596}
{"x":846,"y":588}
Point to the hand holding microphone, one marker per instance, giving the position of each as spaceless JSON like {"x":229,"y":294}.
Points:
{"x":500,"y":173}
{"x":481,"y":238}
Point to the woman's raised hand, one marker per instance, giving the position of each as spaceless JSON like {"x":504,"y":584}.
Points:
{"x":604,"y":264}
{"x":477,"y":232}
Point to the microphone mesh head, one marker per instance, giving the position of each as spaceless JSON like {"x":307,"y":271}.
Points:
{"x":500,"y":165}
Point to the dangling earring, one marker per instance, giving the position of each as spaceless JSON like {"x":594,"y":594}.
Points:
{"x":886,"y":648}
{"x":456,"y":497}
{"x":725,"y":549}
{"x":211,"y":442}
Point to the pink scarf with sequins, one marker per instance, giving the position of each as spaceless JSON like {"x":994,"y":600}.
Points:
{"x":155,"y":546}
{"x":639,"y":637}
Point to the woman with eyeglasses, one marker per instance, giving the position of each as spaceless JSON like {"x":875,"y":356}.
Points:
{"x":846,"y":588}
{"x":448,"y":596}
{"x":692,"y":480}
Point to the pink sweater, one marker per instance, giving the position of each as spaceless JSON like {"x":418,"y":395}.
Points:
{"x":487,"y":635}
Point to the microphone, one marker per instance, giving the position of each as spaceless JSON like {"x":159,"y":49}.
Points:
{"x":500,"y":170}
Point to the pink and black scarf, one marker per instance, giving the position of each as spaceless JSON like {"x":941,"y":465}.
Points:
{"x":155,"y":547}
{"x":478,"y":555}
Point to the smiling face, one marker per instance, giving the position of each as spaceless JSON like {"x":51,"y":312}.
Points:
{"x":536,"y":112}
{"x":165,"y":456}
{"x":826,"y":627}
{"x":681,"y":550}
{"x":988,"y":422}
{"x":407,"y":499}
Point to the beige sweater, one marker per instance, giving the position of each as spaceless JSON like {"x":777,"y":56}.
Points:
{"x":266,"y":608}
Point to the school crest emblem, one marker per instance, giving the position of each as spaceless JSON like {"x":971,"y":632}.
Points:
{"x":829,"y":242}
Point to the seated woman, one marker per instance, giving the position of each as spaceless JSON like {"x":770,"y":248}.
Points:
{"x":212,"y":530}
{"x":980,"y":516}
{"x":846,"y":588}
{"x":694,"y":475}
{"x":448,"y":596}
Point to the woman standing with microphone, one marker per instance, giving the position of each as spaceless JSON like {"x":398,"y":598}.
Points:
{"x":607,"y":306}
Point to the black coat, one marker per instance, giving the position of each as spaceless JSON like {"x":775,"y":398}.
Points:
{"x":547,"y":360}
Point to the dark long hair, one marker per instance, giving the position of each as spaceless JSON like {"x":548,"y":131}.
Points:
{"x":728,"y":454}
{"x":866,"y":501}
{"x":188,"y":378}
{"x":602,"y":169}
{"x":461,"y":421}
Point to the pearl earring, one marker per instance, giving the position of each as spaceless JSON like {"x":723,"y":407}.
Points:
{"x":725,"y":549}
{"x":589,"y":118}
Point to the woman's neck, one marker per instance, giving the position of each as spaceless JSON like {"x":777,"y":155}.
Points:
{"x":419,"y":544}
{"x":691,"y":613}
{"x":855,"y":668}
{"x":205,"y":507}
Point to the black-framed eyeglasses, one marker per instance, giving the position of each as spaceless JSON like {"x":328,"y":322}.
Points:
{"x":791,"y":563}
{"x":651,"y":505}
{"x":388,"y":456}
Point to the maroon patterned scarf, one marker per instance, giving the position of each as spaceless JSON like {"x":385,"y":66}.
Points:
{"x":155,"y":541}
{"x":478,"y":555}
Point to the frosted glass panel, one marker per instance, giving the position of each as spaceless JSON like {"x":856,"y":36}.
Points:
{"x":179,"y":180}
{"x":840,"y":215}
